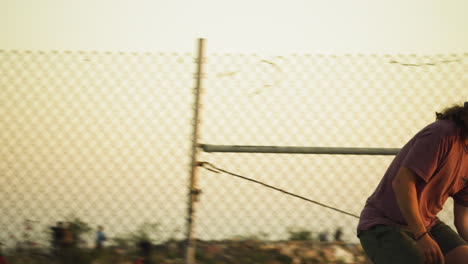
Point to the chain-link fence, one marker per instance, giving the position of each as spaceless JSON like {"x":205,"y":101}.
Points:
{"x":106,"y":137}
{"x":375,"y":101}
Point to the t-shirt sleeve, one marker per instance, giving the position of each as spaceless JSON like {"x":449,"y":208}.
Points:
{"x":425,"y":154}
{"x":461,"y":197}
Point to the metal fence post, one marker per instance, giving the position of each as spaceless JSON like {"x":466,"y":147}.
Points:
{"x":193,"y":190}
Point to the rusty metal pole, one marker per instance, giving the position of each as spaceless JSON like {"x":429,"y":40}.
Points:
{"x":193,"y":189}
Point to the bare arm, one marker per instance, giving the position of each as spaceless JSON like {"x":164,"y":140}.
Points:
{"x":461,"y":220}
{"x":404,"y":187}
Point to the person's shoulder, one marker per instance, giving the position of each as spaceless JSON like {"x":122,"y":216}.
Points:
{"x":442,"y":128}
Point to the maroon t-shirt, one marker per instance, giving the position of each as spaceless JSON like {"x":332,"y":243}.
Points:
{"x":438,"y":155}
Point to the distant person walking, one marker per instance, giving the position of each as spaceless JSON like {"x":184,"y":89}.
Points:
{"x":100,"y":237}
{"x":57,"y":237}
{"x":67,"y":255}
{"x":68,"y":236}
{"x":338,"y":234}
{"x":145,"y":249}
{"x":399,"y":222}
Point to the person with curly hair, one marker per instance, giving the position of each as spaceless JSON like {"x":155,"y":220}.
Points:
{"x":399,"y":222}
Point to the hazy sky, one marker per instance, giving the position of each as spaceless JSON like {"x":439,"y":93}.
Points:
{"x":279,"y":26}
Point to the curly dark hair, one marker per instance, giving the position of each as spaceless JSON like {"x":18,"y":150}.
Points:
{"x":458,"y":114}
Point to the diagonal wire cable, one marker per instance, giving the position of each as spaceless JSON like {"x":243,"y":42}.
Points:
{"x":212,"y":168}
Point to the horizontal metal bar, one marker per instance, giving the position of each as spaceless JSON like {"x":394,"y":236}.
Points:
{"x":299,"y":150}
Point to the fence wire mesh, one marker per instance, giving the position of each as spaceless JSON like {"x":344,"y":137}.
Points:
{"x":313,"y":100}
{"x":105,"y":137}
